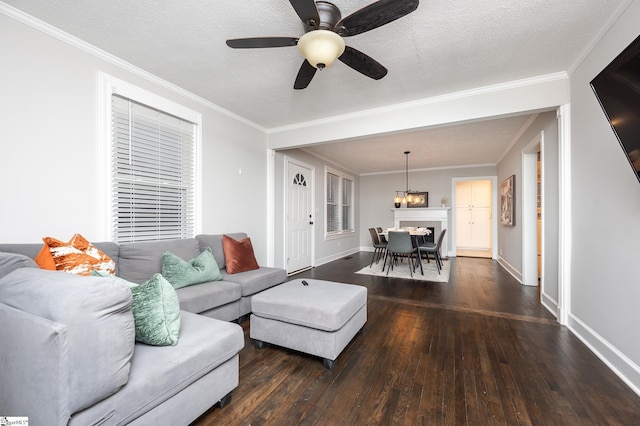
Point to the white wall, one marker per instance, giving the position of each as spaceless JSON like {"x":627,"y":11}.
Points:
{"x":510,"y":237}
{"x":605,"y":203}
{"x":50,"y":160}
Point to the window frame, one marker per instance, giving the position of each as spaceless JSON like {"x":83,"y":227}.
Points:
{"x":112,"y":86}
{"x":340,"y":205}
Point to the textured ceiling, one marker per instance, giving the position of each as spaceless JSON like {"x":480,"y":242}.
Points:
{"x":444,"y":46}
{"x":475,"y":143}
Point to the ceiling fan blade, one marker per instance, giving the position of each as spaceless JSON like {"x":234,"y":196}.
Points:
{"x":258,"y":42}
{"x":362,"y":63}
{"x":375,"y":15}
{"x":306,"y":73}
{"x":308,"y":12}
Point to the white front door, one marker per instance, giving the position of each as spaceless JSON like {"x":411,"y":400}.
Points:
{"x":299,"y":221}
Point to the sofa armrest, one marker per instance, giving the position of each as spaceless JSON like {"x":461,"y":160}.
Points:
{"x":33,"y":385}
{"x":93,"y":313}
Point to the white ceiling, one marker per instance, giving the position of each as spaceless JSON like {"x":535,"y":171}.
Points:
{"x":444,"y":46}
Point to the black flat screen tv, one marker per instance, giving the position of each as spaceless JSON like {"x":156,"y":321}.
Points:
{"x":617,"y":88}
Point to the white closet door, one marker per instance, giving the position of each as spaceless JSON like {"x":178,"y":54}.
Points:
{"x":473,"y":215}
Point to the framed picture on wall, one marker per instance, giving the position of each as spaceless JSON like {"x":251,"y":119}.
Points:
{"x":418,"y":199}
{"x":507,"y":201}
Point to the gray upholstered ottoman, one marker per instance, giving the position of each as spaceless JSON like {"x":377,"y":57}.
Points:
{"x":319,"y":318}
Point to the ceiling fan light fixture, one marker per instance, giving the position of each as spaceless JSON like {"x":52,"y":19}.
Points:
{"x":321,"y":47}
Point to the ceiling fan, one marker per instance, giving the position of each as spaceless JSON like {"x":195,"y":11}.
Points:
{"x":325,"y":28}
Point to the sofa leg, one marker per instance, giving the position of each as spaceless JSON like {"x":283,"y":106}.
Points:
{"x":329,"y":364}
{"x":259,"y":344}
{"x":224,"y":401}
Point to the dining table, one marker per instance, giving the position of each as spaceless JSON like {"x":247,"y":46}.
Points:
{"x":415,"y":232}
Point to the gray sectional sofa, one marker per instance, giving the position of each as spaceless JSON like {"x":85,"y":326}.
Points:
{"x":68,"y":351}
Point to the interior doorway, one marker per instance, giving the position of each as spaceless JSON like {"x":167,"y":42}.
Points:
{"x":532,"y":214}
{"x":473,"y":213}
{"x":539,"y":213}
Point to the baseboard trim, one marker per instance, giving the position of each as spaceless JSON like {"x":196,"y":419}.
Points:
{"x":619,"y":363}
{"x":336,"y":256}
{"x":510,"y":269}
{"x":550,"y":304}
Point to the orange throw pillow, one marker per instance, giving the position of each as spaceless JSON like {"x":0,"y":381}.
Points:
{"x":238,"y":255}
{"x":44,"y":259}
{"x":78,"y":256}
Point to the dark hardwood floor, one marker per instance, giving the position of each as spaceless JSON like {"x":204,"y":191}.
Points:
{"x":477,"y":350}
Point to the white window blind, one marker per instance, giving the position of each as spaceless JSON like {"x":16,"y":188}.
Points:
{"x":347,"y":216}
{"x":339,"y":204}
{"x":153,"y":173}
{"x":333,"y":202}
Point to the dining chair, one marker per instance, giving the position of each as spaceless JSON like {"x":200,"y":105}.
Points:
{"x":383,"y":239}
{"x":399,"y":244}
{"x":433,"y":249}
{"x":378,"y":246}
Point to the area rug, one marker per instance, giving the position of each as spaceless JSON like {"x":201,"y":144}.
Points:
{"x":402,"y":271}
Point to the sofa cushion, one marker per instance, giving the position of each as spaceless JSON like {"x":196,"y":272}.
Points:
{"x":12,"y":261}
{"x":29,"y":249}
{"x":257,"y":280}
{"x":96,"y":315}
{"x":203,"y":297}
{"x":140,"y":261}
{"x":238,"y":255}
{"x":160,"y":373}
{"x":181,"y":273}
{"x":156,"y":312}
{"x":215,"y":242}
{"x":78,"y":256}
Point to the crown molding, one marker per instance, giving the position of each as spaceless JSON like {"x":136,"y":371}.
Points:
{"x":431,"y":169}
{"x":605,"y":28}
{"x":327,"y":160}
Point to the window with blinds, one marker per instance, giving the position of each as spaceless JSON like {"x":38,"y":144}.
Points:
{"x":153,"y":173}
{"x":333,"y":203}
{"x":347,"y":188}
{"x":339,"y":203}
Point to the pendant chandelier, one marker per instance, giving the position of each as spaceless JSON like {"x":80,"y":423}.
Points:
{"x":398,"y":200}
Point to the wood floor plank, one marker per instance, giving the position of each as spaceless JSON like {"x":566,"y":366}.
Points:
{"x":478,"y":350}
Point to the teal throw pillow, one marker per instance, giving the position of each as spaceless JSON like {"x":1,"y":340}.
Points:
{"x":181,"y":273}
{"x":156,"y":312}
{"x":155,"y":308}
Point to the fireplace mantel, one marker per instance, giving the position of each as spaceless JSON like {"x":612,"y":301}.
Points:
{"x":425,"y":214}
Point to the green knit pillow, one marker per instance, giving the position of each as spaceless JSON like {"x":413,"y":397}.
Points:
{"x":181,"y":273}
{"x":156,"y":312}
{"x":155,"y":308}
